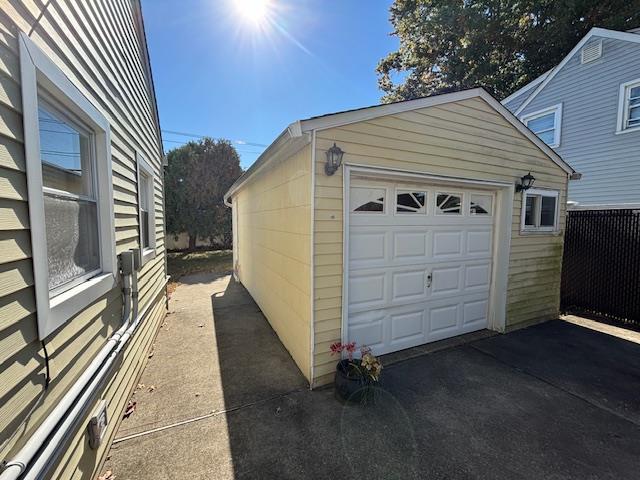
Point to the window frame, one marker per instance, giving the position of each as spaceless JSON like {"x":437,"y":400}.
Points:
{"x":623,"y":107}
{"x":540,"y":192}
{"x":145,"y":169}
{"x":557,"y":122}
{"x":42,"y":77}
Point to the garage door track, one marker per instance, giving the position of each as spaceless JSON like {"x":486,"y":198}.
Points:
{"x":221,"y":398}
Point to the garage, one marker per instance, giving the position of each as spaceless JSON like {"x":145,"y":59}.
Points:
{"x":402,"y":224}
{"x":420,"y":261}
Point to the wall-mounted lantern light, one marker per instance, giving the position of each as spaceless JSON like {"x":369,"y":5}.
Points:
{"x":526,"y":183}
{"x":334,"y":159}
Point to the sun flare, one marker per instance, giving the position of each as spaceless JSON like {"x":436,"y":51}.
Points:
{"x":254,"y":11}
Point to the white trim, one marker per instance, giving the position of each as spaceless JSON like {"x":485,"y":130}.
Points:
{"x":623,"y":107}
{"x":542,"y":192}
{"x":235,"y":239}
{"x":557,"y":121}
{"x":600,"y":32}
{"x":312,"y":318}
{"x":144,"y":168}
{"x":604,"y":206}
{"x":527,"y":87}
{"x":302,"y":128}
{"x":38,"y":71}
{"x":504,"y":193}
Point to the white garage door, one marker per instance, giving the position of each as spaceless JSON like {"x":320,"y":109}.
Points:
{"x":419,"y":262}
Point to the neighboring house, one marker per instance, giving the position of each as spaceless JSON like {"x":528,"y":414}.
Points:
{"x":419,"y":235}
{"x":588,"y":110}
{"x":80,"y":186}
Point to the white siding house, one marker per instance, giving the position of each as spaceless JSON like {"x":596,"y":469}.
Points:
{"x":588,"y":110}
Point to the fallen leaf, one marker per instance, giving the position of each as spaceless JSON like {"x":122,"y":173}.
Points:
{"x":108,"y":475}
{"x":131,"y":407}
{"x":151,"y":388}
{"x":197,"y":394}
{"x":140,"y":386}
{"x":201,"y":325}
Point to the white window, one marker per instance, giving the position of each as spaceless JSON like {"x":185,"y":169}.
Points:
{"x":146,"y":210}
{"x":69,"y":183}
{"x":540,"y":210}
{"x":629,"y":107}
{"x":546,"y":124}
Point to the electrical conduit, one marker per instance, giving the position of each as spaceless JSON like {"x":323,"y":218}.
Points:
{"x":54,"y":430}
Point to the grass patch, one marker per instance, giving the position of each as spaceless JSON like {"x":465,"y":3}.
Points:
{"x":180,"y":264}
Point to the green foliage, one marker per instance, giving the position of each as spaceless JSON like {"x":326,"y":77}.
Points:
{"x":196,"y":178}
{"x":501,"y":45}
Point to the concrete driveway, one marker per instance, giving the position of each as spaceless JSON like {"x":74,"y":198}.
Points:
{"x":221,"y":398}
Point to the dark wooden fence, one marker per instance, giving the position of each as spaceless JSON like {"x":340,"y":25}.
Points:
{"x":601,"y":265}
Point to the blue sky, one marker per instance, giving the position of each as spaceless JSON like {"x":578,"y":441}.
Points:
{"x":219,"y":73}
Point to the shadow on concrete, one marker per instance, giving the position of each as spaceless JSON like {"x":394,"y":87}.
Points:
{"x":551,"y":401}
{"x":473,"y":411}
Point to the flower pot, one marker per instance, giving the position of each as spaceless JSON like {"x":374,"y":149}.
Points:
{"x":348,"y":388}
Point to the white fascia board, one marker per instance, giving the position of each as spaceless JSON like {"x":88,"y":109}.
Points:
{"x":363,"y":114}
{"x":528,"y":86}
{"x":594,"y":32}
{"x":284,"y":141}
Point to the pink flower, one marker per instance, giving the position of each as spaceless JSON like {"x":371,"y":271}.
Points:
{"x":350,"y":348}
{"x":336,"y":348}
{"x":364,"y":350}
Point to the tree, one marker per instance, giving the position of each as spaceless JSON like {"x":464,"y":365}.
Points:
{"x":196,"y":178}
{"x":501,"y":45}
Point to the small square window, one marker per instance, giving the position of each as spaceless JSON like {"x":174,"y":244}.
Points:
{"x":367,"y":200}
{"x":480,"y":204}
{"x":540,"y":211}
{"x":546,"y":124}
{"x":411,"y":202}
{"x":448,"y":204}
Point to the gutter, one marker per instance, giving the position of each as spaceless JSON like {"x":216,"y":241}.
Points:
{"x":44,"y":445}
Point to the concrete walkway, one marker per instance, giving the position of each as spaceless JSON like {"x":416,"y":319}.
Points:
{"x":223,"y":399}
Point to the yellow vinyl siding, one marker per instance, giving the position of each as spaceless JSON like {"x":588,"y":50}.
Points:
{"x":462,"y":139}
{"x":274,"y":249}
{"x":98,"y":45}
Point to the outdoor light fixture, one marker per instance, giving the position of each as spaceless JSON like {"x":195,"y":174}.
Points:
{"x":334,"y":159}
{"x":526,"y":183}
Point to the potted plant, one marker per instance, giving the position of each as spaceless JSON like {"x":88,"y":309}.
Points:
{"x":356,"y":378}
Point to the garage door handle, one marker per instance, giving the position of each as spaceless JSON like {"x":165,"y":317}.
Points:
{"x":428,"y":285}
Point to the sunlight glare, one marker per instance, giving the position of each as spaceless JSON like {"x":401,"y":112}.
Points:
{"x":255,"y":11}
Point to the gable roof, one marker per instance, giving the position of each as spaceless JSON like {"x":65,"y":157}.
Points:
{"x":528,"y":87}
{"x":301,"y":129}
{"x":594,"y":32}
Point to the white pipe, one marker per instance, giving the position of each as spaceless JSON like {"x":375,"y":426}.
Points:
{"x":16,"y":466}
{"x":52,"y":448}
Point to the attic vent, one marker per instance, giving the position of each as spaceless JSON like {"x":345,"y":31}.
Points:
{"x":592,"y":52}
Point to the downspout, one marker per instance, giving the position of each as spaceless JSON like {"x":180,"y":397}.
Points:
{"x":44,"y":443}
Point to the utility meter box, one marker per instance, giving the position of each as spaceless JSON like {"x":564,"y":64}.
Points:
{"x":98,"y":425}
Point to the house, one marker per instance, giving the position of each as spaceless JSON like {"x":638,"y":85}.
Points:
{"x":587,"y":109}
{"x":420,"y":234}
{"x":82,"y":263}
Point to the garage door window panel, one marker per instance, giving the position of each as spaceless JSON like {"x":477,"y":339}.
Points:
{"x":411,"y":201}
{"x":367,"y":200}
{"x":480,"y":204}
{"x":448,"y":203}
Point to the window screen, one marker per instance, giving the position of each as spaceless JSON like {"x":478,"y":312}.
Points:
{"x":70,"y":207}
